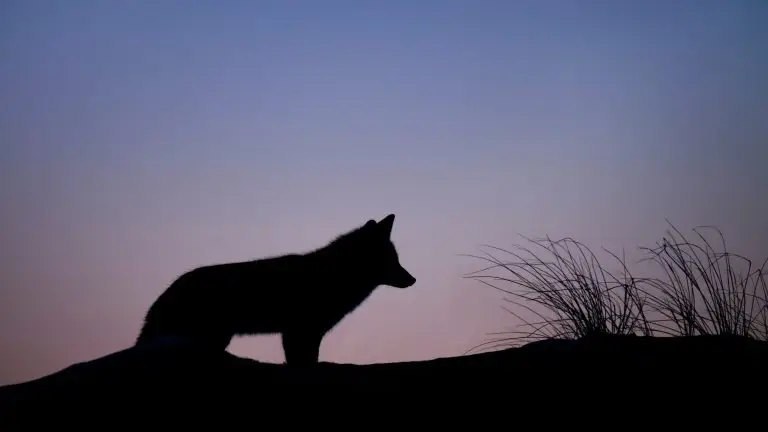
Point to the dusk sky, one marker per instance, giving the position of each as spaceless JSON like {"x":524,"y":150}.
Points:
{"x":140,"y":139}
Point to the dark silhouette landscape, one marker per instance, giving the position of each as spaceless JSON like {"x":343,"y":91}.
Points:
{"x":199,"y":198}
{"x":701,"y":328}
{"x":171,"y":382}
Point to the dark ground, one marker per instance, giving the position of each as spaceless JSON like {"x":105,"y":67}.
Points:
{"x":175,"y":383}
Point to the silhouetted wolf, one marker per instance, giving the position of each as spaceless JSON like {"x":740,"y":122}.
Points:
{"x":300,"y":296}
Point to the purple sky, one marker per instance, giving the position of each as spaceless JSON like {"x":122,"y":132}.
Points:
{"x":140,"y":139}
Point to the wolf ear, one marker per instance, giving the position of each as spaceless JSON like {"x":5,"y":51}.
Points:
{"x":385,"y":225}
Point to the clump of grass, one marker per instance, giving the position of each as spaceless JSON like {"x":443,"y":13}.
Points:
{"x":704,"y":291}
{"x":707,"y":291}
{"x":576,"y":295}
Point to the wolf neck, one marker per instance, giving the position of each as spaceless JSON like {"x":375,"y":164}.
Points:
{"x":339,"y":267}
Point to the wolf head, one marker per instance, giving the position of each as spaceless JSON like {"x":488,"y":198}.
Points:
{"x":369,"y":249}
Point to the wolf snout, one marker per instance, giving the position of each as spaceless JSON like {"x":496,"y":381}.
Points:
{"x":403,"y":279}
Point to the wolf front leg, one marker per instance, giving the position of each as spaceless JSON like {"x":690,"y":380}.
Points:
{"x":301,"y":348}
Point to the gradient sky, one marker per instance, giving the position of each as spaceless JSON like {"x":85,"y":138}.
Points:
{"x":143,"y":138}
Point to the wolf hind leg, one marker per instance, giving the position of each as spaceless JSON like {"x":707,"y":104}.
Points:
{"x":301,"y":347}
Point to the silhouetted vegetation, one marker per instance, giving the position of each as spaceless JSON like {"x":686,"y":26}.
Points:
{"x":706,"y":291}
{"x":701,"y":291}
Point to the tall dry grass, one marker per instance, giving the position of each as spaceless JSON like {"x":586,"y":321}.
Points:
{"x":569,"y":293}
{"x":707,"y":291}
